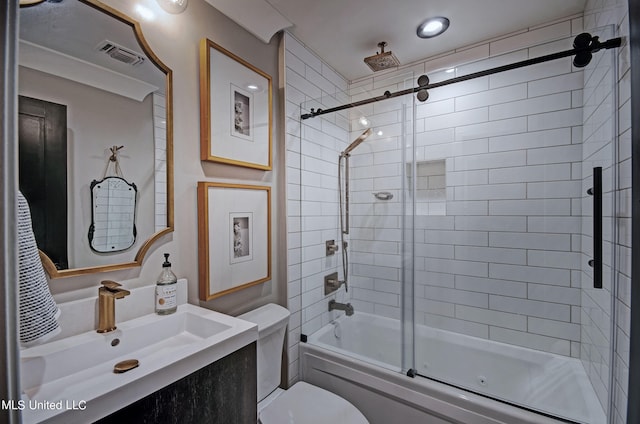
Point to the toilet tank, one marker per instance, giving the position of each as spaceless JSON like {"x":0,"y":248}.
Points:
{"x":272,"y":323}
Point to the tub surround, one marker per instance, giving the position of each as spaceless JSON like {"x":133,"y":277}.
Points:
{"x":550,"y":383}
{"x":547,"y":317}
{"x":386,"y":396}
{"x":307,"y":77}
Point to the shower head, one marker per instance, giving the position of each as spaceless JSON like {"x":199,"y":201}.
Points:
{"x":383,"y":60}
{"x":357,"y":141}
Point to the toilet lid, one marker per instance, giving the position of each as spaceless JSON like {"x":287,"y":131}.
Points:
{"x":307,"y":404}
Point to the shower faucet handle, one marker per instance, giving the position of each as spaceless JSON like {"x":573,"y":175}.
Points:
{"x":332,"y":283}
{"x":331,"y":247}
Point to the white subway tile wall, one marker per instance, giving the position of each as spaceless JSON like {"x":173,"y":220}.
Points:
{"x":599,"y":99}
{"x":502,"y":253}
{"x":598,"y":142}
{"x":160,"y":151}
{"x":503,"y":151}
{"x":312,"y":190}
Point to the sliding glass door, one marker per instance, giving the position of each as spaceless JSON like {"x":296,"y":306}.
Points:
{"x":515,"y":176}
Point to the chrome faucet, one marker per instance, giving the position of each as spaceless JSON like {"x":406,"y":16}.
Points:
{"x":347,"y":308}
{"x":107,"y":295}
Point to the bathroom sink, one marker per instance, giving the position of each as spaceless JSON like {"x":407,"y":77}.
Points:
{"x":75,"y":375}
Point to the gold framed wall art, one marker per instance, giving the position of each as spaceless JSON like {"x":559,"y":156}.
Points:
{"x":234,"y":242}
{"x":235,"y":109}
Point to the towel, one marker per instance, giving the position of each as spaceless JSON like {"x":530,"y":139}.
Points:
{"x":38,"y":310}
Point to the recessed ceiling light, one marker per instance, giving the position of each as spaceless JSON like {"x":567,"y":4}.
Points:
{"x":433,"y":27}
{"x":364,"y":121}
{"x":450,"y":70}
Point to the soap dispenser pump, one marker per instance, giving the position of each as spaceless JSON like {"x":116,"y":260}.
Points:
{"x":166,"y":289}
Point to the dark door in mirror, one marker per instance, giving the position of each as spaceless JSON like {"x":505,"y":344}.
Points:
{"x":42,"y":139}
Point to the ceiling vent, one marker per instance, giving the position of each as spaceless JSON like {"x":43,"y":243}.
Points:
{"x":120,"y":53}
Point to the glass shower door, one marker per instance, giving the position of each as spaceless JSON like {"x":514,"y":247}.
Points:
{"x":353,"y":196}
{"x":505,"y":303}
{"x":380,"y":241}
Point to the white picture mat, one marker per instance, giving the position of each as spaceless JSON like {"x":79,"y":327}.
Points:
{"x":224,"y":72}
{"x":222,"y":202}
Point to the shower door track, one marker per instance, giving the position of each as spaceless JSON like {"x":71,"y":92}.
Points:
{"x":584,"y":45}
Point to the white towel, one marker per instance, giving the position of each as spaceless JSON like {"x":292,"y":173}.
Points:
{"x":38,"y":310}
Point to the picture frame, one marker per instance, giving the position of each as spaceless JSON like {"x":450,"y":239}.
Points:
{"x":236,"y":116}
{"x":234,"y":242}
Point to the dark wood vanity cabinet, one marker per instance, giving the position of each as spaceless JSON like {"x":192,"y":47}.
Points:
{"x":224,"y":392}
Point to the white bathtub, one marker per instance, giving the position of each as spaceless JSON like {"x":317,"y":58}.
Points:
{"x":359,"y":358}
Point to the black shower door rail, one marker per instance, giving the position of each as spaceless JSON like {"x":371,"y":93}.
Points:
{"x":584,"y":46}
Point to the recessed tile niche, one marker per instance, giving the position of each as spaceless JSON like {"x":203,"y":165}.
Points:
{"x":431,"y":187}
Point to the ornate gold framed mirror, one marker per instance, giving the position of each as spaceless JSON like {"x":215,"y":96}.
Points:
{"x":86,"y":70}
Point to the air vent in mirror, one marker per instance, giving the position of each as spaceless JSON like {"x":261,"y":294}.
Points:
{"x":120,"y":53}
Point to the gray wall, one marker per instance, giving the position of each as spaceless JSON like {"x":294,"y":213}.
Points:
{"x":175,"y":40}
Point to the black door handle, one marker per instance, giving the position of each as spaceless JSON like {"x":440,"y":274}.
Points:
{"x":596,"y":192}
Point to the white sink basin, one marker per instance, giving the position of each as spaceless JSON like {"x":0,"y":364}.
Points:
{"x":72,"y":380}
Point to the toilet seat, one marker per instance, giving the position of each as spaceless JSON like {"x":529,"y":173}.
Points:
{"x":304,"y":403}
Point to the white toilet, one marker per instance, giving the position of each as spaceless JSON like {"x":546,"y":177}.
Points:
{"x":303,"y":403}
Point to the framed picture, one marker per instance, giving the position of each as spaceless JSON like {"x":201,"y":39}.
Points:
{"x":235,"y":109}
{"x":234,"y":242}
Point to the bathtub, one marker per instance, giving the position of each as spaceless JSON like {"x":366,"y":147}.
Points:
{"x":359,"y":358}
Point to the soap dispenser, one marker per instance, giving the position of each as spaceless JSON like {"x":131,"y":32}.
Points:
{"x":166,"y":289}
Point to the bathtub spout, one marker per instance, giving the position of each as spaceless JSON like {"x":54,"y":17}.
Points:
{"x":347,"y":308}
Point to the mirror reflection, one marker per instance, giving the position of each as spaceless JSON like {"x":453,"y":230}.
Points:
{"x":88,"y":82}
{"x":113,"y":209}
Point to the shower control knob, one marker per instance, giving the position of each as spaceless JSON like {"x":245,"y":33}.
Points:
{"x":331,"y":247}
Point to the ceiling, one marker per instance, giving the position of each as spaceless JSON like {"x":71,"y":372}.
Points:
{"x":75,"y":30}
{"x":341,"y":32}
{"x":344,"y":32}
